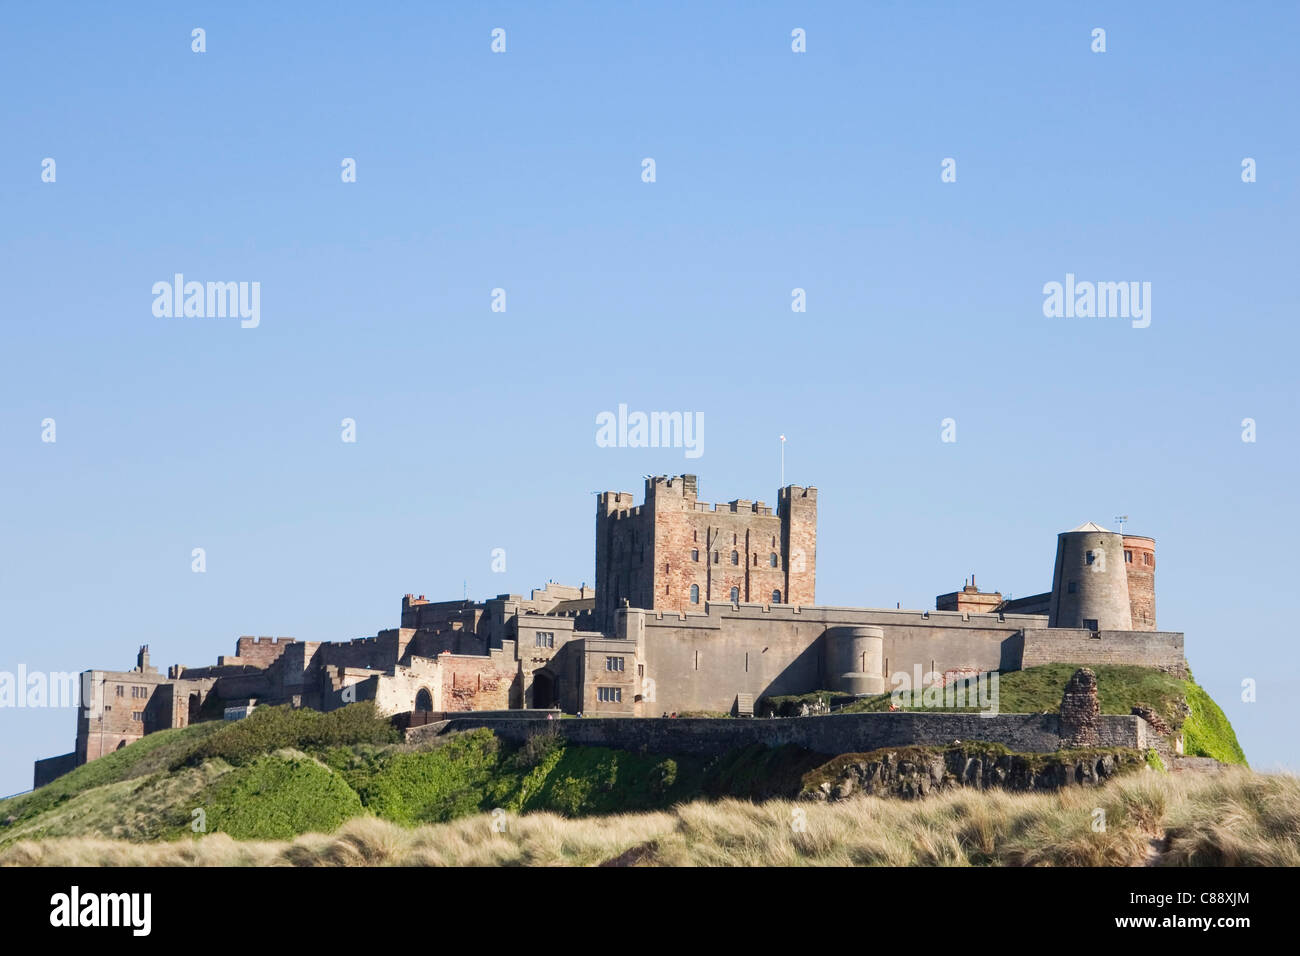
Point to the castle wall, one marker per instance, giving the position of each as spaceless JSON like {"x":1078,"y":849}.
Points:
{"x":478,"y":683}
{"x":418,"y":613}
{"x":51,"y":768}
{"x":259,"y":651}
{"x":700,"y":662}
{"x":1160,"y":649}
{"x":834,"y":734}
{"x":112,"y":719}
{"x":379,"y":652}
{"x":540,"y":644}
{"x":596,"y":674}
{"x":395,"y":693}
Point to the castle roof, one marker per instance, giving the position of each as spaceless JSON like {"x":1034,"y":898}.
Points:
{"x":1090,"y":526}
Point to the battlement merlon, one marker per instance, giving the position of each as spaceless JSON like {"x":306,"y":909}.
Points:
{"x":663,"y":493}
{"x":612,"y":502}
{"x":683,"y":487}
{"x":797,"y":496}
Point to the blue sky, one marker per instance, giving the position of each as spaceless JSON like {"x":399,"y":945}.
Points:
{"x":522,"y":171}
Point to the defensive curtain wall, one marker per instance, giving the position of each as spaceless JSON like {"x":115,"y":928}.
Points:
{"x":701,"y":662}
{"x":833,"y":734}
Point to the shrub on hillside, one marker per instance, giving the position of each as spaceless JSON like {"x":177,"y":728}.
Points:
{"x":271,"y":728}
{"x":537,"y":747}
{"x":278,"y":797}
{"x":448,"y":781}
{"x":663,"y":776}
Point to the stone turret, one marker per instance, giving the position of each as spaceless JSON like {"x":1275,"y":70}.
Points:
{"x":1090,"y":583}
{"x":855,"y":660}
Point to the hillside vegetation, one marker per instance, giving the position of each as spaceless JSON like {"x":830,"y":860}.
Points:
{"x":1237,"y":818}
{"x":1183,"y":704}
{"x":283,"y":772}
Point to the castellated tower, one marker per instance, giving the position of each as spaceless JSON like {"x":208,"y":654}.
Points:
{"x":675,"y":552}
{"x":1140,"y":562}
{"x":1090,"y":586}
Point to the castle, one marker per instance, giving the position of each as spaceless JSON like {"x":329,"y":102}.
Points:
{"x":697,"y":608}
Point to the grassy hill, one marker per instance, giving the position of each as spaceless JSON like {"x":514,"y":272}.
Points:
{"x":281,"y":772}
{"x":1183,"y":704}
{"x":1237,"y":818}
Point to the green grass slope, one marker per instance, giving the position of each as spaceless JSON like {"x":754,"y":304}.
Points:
{"x":1183,"y":704}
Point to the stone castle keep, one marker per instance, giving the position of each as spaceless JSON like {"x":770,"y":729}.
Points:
{"x":697,"y":608}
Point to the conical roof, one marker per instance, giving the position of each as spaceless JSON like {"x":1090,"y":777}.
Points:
{"x":1091,"y":526}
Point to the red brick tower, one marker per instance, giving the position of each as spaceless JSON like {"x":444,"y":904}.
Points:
{"x":1140,"y":563}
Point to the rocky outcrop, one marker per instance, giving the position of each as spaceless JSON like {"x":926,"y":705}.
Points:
{"x":913,"y":773}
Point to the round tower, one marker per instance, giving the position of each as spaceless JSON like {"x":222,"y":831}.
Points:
{"x":1090,"y":583}
{"x":1140,"y":562}
{"x":856,"y":660}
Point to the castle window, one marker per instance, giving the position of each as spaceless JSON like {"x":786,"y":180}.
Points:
{"x":775,"y":560}
{"x":1128,"y":557}
{"x":609,"y":695}
{"x":1089,"y":558}
{"x":121,"y":691}
{"x":755,"y":559}
{"x":715,"y":557}
{"x":138,"y":716}
{"x":545,"y":639}
{"x":734,"y":539}
{"x":695,"y":555}
{"x":735,"y":595}
{"x":776,"y":597}
{"x":1071,"y":588}
{"x":1148,"y":559}
{"x":774,"y":541}
{"x":613,"y":663}
{"x":735,"y":558}
{"x":695,"y":594}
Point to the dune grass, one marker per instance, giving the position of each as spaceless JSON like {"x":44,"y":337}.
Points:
{"x":1237,"y":817}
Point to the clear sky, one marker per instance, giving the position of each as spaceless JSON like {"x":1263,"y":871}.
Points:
{"x":522,"y":171}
